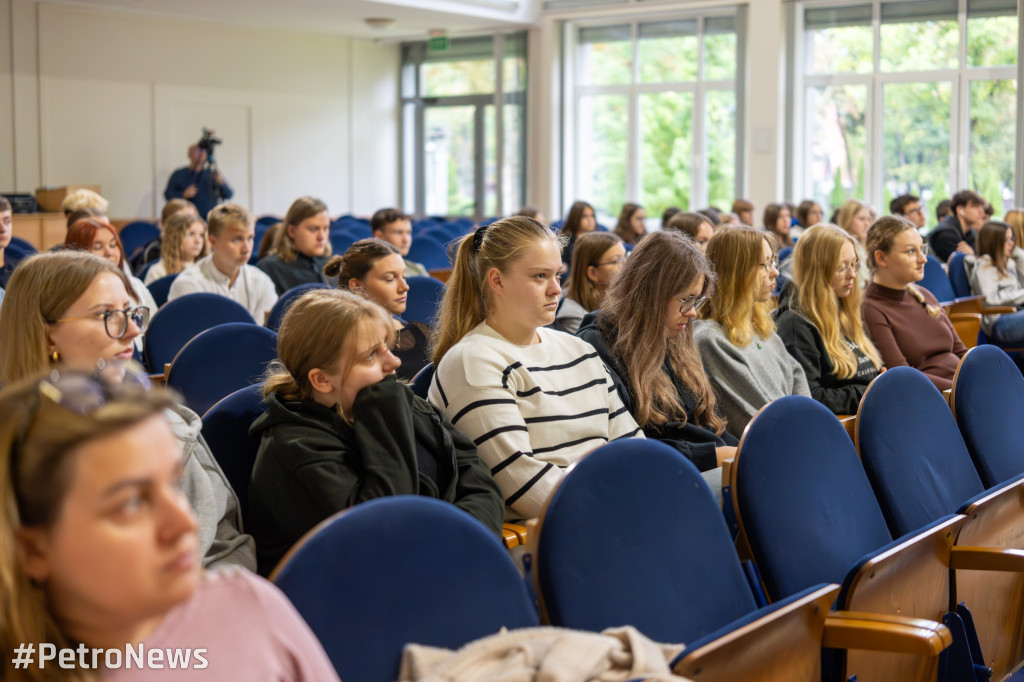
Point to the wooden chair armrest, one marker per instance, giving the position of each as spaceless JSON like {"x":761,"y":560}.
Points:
{"x":986,"y":559}
{"x":517,"y":531}
{"x":967,"y":304}
{"x":967,"y":326}
{"x":157,"y":379}
{"x":998,"y":310}
{"x":880,"y":632}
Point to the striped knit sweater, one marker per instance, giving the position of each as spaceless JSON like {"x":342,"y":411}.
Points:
{"x":531,"y":410}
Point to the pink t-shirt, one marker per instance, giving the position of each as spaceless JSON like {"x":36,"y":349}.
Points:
{"x":247,"y":629}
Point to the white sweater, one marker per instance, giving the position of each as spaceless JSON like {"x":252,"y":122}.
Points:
{"x":998,"y":290}
{"x":531,"y":410}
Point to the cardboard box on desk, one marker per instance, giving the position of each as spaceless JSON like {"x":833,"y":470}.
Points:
{"x":51,"y":198}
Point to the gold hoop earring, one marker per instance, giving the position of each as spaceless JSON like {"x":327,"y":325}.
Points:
{"x":55,"y":356}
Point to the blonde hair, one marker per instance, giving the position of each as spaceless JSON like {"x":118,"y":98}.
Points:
{"x":848,"y":211}
{"x":589,"y":249}
{"x":38,"y":445}
{"x":84,"y":198}
{"x":318,"y":327}
{"x":880,"y":237}
{"x":301,"y":209}
{"x":1015,"y":219}
{"x":815,"y":261}
{"x":466,"y":296}
{"x":175,"y":206}
{"x":41,"y":290}
{"x":633,"y":318}
{"x":736,"y":253}
{"x":227,"y":214}
{"x":175,"y":229}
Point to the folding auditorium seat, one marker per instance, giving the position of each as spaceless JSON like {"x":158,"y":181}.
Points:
{"x":634,"y":536}
{"x":226,"y":431}
{"x":424,"y":299}
{"x":180,"y":320}
{"x":285,"y":301}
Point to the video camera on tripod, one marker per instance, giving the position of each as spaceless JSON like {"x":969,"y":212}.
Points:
{"x":207,"y":143}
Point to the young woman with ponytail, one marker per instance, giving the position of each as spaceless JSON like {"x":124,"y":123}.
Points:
{"x":340,"y":429}
{"x":534,"y":400}
{"x":905,"y":321}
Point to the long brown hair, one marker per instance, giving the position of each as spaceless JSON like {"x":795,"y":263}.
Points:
{"x":633,"y":314}
{"x":318,"y":327}
{"x":815,"y":261}
{"x":42,"y":288}
{"x":175,"y":229}
{"x":589,"y":249}
{"x":38,"y":442}
{"x":736,"y":253}
{"x":358,"y":260}
{"x":301,"y":209}
{"x":466,"y":298}
{"x":771,"y":219}
{"x":571,"y":225}
{"x":992,"y":241}
{"x":623,"y":228}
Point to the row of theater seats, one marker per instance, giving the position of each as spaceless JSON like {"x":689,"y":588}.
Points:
{"x":897,"y":559}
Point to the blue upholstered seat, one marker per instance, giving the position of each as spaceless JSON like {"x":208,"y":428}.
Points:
{"x":181,"y":319}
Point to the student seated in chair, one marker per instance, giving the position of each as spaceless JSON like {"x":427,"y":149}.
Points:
{"x":76,"y":309}
{"x":744,"y":357}
{"x":226,"y":271}
{"x":340,"y":429}
{"x":301,"y":247}
{"x":596,"y":262}
{"x":7,"y":263}
{"x":183,"y":243}
{"x":375,"y":270}
{"x":395,"y":228}
{"x":998,"y":275}
{"x":533,"y":399}
{"x":644,"y":334}
{"x":100,"y":549}
{"x":819,"y":319}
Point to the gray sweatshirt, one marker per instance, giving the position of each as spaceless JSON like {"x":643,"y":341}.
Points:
{"x":221,"y":540}
{"x":997,"y":289}
{"x":747,"y":379}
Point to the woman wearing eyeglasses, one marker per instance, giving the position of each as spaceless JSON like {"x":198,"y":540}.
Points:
{"x":744,"y":357}
{"x":597,"y":260}
{"x":905,"y":321}
{"x":643,"y":333}
{"x":99,"y":548}
{"x":75,"y":309}
{"x":820,"y":320}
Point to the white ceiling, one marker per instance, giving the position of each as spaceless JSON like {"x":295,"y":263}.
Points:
{"x":413,"y":18}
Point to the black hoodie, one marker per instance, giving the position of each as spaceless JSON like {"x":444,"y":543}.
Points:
{"x":694,"y":441}
{"x":312,"y":463}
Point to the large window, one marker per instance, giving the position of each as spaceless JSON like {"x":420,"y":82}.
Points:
{"x":915,"y":96}
{"x":654,"y":113}
{"x":463,"y":136}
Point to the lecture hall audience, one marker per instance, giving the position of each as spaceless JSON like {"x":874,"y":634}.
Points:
{"x":301,"y":247}
{"x":182,"y":243}
{"x":597,"y":260}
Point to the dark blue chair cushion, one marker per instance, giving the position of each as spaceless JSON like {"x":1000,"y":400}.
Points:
{"x":958,"y":275}
{"x":989,"y":406}
{"x":160,"y":289}
{"x":285,"y":302}
{"x":634,"y":536}
{"x":429,"y":252}
{"x":424,"y":299}
{"x":399,"y":570}
{"x":220,"y":361}
{"x":136,"y":235}
{"x":421,"y":382}
{"x":181,"y":319}
{"x":936,"y":281}
{"x":226,"y":431}
{"x":803,"y":498}
{"x":912,"y":451}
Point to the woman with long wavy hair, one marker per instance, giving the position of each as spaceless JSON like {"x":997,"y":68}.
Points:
{"x":745,"y":358}
{"x":643,"y":333}
{"x":821,"y":322}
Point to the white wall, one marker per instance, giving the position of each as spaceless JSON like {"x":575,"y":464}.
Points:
{"x":116,"y":98}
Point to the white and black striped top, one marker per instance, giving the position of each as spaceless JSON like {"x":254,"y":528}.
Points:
{"x":530,"y":409}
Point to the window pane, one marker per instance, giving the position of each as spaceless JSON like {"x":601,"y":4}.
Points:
{"x":916,"y":131}
{"x":449,"y":160}
{"x":839,"y":40}
{"x":835,"y":153}
{"x":668,"y":51}
{"x":991,"y":32}
{"x":993,"y":130}
{"x":601,"y":155}
{"x":720,"y":142}
{"x":920,"y":35}
{"x":666,"y":157}
{"x":409,"y":144}
{"x":719,"y":49}
{"x":490,"y":162}
{"x":512,"y":178}
{"x":470,"y":77}
{"x":606,"y":55}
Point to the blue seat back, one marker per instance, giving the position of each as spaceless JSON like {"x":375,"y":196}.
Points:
{"x":988,"y":402}
{"x":160,"y":289}
{"x":221,"y":360}
{"x":785,"y":253}
{"x":935,"y":280}
{"x":429,"y":252}
{"x":226,"y":431}
{"x":634,"y":536}
{"x":912,"y":451}
{"x":340,"y":241}
{"x":398,"y":570}
{"x":181,"y":319}
{"x":802,"y":497}
{"x":958,"y":275}
{"x":285,"y":302}
{"x":421,"y":382}
{"x":23,"y":245}
{"x":424,"y":299}
{"x":136,"y":235}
